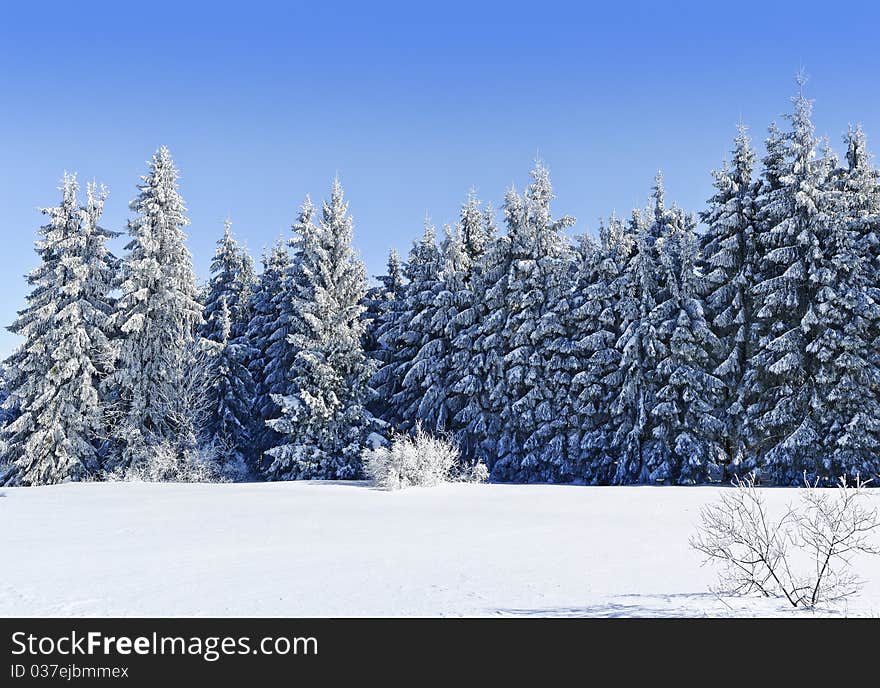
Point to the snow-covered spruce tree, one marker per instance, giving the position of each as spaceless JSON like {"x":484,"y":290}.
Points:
{"x":440,"y":362}
{"x":325,"y":422}
{"x":231,"y":390}
{"x":684,"y":446}
{"x":847,"y":312}
{"x":406,"y":329}
{"x":532,"y":442}
{"x":468,"y":286}
{"x":729,"y":265}
{"x":785,"y":408}
{"x":233,"y":282}
{"x":600,"y":313}
{"x":156,"y":317}
{"x":427,"y":378}
{"x":380,"y":302}
{"x":481,"y":383}
{"x":573,"y":352}
{"x":639,"y":349}
{"x":53,"y":378}
{"x":268,"y":347}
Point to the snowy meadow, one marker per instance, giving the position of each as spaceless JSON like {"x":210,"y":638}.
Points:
{"x":312,"y":548}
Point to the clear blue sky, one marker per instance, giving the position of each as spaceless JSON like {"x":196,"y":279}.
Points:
{"x":261,"y":103}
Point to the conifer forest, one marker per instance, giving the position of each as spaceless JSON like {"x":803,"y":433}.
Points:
{"x":666,"y":346}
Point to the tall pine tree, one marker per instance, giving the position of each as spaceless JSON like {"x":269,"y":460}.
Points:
{"x":325,"y":422}
{"x":54,"y":377}
{"x":233,"y":282}
{"x":157,"y":314}
{"x":729,"y":268}
{"x":783,"y":417}
{"x":406,"y":329}
{"x":531,"y":439}
{"x":265,"y":364}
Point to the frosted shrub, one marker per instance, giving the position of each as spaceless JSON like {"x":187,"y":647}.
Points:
{"x":164,"y":462}
{"x":418,"y":460}
{"x":473,"y":473}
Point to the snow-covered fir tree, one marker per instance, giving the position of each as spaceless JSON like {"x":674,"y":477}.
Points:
{"x":465,"y":253}
{"x":532,"y":438}
{"x":407,"y":327}
{"x":684,"y":445}
{"x":651,"y":297}
{"x":596,"y":321}
{"x":433,"y":374}
{"x":325,"y":423}
{"x":157,"y":315}
{"x":480,"y":378}
{"x":459,"y":308}
{"x":729,"y":268}
{"x":639,"y":348}
{"x":265,"y":342}
{"x":231,"y":390}
{"x":380,"y":302}
{"x":785,"y":408}
{"x":233,"y":282}
{"x":53,"y":378}
{"x":848,"y":319}
{"x":429,"y":400}
{"x":573,"y":352}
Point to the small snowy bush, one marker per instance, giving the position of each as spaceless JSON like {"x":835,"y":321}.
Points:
{"x":164,"y":462}
{"x":473,"y":473}
{"x":418,"y":460}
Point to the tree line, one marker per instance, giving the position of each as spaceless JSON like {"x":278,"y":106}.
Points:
{"x":670,"y":348}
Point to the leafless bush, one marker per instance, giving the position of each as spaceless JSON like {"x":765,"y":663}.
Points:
{"x":804,"y":556}
{"x":832,"y":529}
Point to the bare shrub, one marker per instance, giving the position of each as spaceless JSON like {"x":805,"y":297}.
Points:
{"x":832,"y":529}
{"x":418,"y":460}
{"x":804,"y":556}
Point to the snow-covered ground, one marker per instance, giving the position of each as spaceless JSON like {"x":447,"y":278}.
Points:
{"x":346,"y":549}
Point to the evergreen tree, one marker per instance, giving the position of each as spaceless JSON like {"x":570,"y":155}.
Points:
{"x":427,"y":379}
{"x":685,"y":432}
{"x":439,"y":363}
{"x":233,"y":282}
{"x":406,"y":329}
{"x":848,"y":320}
{"x":157,"y":313}
{"x":596,"y":322}
{"x":467,"y":287}
{"x":729,"y":269}
{"x":325,"y":422}
{"x":480,"y":380}
{"x":379,"y":302}
{"x":231,"y":390}
{"x":532,"y":438}
{"x":784,"y":414}
{"x":263,"y":339}
{"x":53,"y":378}
{"x":639,"y":352}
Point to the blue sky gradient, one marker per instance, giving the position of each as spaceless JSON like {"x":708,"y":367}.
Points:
{"x":261,"y":103}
